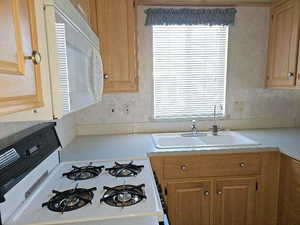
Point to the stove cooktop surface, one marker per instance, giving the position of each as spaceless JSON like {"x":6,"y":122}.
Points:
{"x":104,"y":196}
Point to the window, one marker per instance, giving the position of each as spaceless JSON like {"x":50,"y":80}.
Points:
{"x":189,"y":70}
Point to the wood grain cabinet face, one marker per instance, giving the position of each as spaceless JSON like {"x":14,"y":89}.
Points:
{"x":235,"y":201}
{"x":289,"y":193}
{"x":20,"y":81}
{"x":189,"y":203}
{"x":212,"y":165}
{"x":117,"y":31}
{"x":283,"y":45}
{"x":243,"y":188}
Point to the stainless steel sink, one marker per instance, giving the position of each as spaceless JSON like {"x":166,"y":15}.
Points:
{"x":201,"y":140}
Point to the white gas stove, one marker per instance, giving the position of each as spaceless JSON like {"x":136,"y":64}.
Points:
{"x":78,"y":193}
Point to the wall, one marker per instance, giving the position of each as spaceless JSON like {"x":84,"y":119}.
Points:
{"x":65,"y":128}
{"x":249,"y":104}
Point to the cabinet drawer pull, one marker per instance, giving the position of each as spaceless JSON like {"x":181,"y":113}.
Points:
{"x":206,"y":193}
{"x":183,"y":167}
{"x":105,"y":76}
{"x":242,"y":164}
{"x":219,"y":192}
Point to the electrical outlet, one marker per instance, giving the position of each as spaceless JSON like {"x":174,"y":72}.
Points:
{"x":125,"y":109}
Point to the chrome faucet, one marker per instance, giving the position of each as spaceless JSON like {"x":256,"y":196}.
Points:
{"x":194,"y":127}
{"x":195,"y":132}
{"x":215,"y":128}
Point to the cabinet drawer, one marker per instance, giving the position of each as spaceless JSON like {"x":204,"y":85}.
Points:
{"x":211,"y":165}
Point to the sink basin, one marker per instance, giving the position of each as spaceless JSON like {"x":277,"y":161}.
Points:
{"x":201,"y":140}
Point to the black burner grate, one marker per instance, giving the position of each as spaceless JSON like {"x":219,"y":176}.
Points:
{"x":70,"y":200}
{"x":125,"y":170}
{"x":84,"y":172}
{"x":123,"y":195}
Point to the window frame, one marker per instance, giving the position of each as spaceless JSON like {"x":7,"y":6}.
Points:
{"x":199,"y":118}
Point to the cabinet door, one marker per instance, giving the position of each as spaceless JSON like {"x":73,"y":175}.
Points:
{"x":20,"y":81}
{"x":289,"y":193}
{"x":189,"y":203}
{"x":117,"y":32}
{"x":283,"y":45}
{"x":235,"y":201}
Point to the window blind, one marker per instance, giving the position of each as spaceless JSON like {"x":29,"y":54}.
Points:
{"x":189,"y":70}
{"x":63,"y":65}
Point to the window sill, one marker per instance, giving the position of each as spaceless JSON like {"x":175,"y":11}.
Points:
{"x":188,"y":119}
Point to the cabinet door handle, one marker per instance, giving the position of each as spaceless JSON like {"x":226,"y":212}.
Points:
{"x":106,"y":76}
{"x":219,"y":192}
{"x":183,"y":167}
{"x":206,"y":193}
{"x":242,"y":164}
{"x":36,"y":58}
{"x":290,"y":75}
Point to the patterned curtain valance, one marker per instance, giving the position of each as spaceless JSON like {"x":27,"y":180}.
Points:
{"x":186,"y":16}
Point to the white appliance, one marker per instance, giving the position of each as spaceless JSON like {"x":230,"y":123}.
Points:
{"x":37,"y":195}
{"x":76,"y":70}
{"x":32,"y":212}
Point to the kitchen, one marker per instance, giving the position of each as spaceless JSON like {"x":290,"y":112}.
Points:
{"x":245,"y":81}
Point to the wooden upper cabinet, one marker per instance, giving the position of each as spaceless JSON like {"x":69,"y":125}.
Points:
{"x":189,"y":203}
{"x":20,"y":78}
{"x":117,"y":31}
{"x":87,"y":9}
{"x":235,"y":201}
{"x":284,"y":45}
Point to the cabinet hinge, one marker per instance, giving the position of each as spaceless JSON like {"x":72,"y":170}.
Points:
{"x":134,"y":3}
{"x":256,"y":186}
{"x":166,"y":191}
{"x":272,"y":17}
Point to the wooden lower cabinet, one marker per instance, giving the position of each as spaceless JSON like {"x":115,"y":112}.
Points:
{"x":235,"y":201}
{"x":221,"y":189}
{"x":230,"y":201}
{"x":189,"y":202}
{"x":289,"y":193}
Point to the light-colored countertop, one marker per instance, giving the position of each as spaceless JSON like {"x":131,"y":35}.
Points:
{"x":138,"y":146}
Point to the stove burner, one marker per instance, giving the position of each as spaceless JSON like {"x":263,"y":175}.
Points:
{"x":123,"y":195}
{"x":84,"y":172}
{"x":124,"y":170}
{"x":70,"y":200}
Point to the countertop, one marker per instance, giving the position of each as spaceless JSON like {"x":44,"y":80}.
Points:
{"x":140,"y":146}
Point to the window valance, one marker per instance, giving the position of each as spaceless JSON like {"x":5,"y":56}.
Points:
{"x":188,"y":16}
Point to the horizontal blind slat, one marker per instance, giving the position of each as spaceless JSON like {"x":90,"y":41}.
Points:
{"x":189,"y":70}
